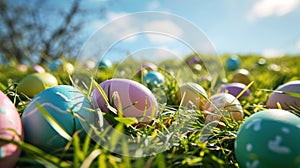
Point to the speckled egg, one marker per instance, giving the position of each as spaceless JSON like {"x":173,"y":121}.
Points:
{"x":241,"y":76}
{"x":62,"y":102}
{"x":136,"y":99}
{"x":192,"y":95}
{"x":145,"y":67}
{"x":285,"y":100}
{"x":269,"y":139}
{"x":33,"y":84}
{"x":38,"y":68}
{"x":153,"y":78}
{"x":233,"y":63}
{"x":227,"y":104}
{"x":235,"y":89}
{"x":9,"y":119}
{"x":105,"y":64}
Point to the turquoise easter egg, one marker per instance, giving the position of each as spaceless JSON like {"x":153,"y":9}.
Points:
{"x":269,"y":139}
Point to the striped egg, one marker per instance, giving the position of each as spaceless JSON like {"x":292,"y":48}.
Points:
{"x":61,"y":102}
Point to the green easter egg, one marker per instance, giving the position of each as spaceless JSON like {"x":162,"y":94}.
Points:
{"x":269,"y":139}
{"x":33,"y":84}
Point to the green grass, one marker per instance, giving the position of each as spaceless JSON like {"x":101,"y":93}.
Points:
{"x":184,"y":148}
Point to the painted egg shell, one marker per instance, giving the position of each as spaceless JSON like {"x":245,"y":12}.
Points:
{"x":9,"y":119}
{"x":66,"y":67}
{"x":284,"y":100}
{"x":105,"y":64}
{"x":192,"y":95}
{"x":89,"y":64}
{"x":233,"y":63}
{"x":33,"y":84}
{"x":153,"y":78}
{"x":145,"y":67}
{"x":227,"y":104}
{"x":241,"y":76}
{"x":269,"y":138}
{"x":136,"y":99}
{"x":38,"y":68}
{"x":235,"y":89}
{"x":60,"y":102}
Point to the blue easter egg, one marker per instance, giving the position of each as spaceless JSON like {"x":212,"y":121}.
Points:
{"x":105,"y":64}
{"x":62,"y":102}
{"x":233,"y":63}
{"x":153,"y":78}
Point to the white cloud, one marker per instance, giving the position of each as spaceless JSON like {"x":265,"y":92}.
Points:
{"x":271,"y":53}
{"x":264,"y":8}
{"x":167,"y":28}
{"x":298,"y":45}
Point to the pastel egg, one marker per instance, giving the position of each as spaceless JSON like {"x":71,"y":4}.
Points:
{"x":136,"y":99}
{"x":38,"y":68}
{"x":227,"y":104}
{"x":62,"y":102}
{"x":65,"y":67}
{"x":235,"y":89}
{"x":194,"y":63}
{"x":192,"y":95}
{"x":285,"y":100}
{"x":9,"y":119}
{"x":241,"y":76}
{"x":22,"y":68}
{"x":233,"y":63}
{"x":33,"y":84}
{"x":104,"y":64}
{"x":153,"y":78}
{"x":269,"y":138}
{"x":145,"y":67}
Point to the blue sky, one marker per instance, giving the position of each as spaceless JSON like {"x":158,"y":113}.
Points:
{"x":269,"y":27}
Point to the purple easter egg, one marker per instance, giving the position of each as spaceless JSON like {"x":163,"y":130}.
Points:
{"x":9,"y":119}
{"x":38,"y":68}
{"x":193,"y":60}
{"x":148,"y":66}
{"x":136,"y":99}
{"x":235,"y":89}
{"x":286,"y":101}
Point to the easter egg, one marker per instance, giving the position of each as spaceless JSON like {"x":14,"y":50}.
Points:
{"x":22,"y":68}
{"x":61,"y":102}
{"x":233,"y":63}
{"x":89,"y":64}
{"x":192,"y":95}
{"x":33,"y":84}
{"x":269,"y":138}
{"x":241,"y":76}
{"x":136,"y":99}
{"x":9,"y":119}
{"x":66,"y":67}
{"x":227,"y":104}
{"x":194,"y":63}
{"x":145,"y":67}
{"x":261,"y":62}
{"x":286,"y":101}
{"x":235,"y":89}
{"x":104,"y":64}
{"x":38,"y":68}
{"x":153,"y":78}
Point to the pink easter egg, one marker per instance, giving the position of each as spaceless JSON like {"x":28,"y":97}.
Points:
{"x":9,"y":119}
{"x":38,"y":68}
{"x":136,"y":99}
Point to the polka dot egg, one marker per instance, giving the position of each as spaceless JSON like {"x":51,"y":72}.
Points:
{"x":269,"y":139}
{"x":9,"y":119}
